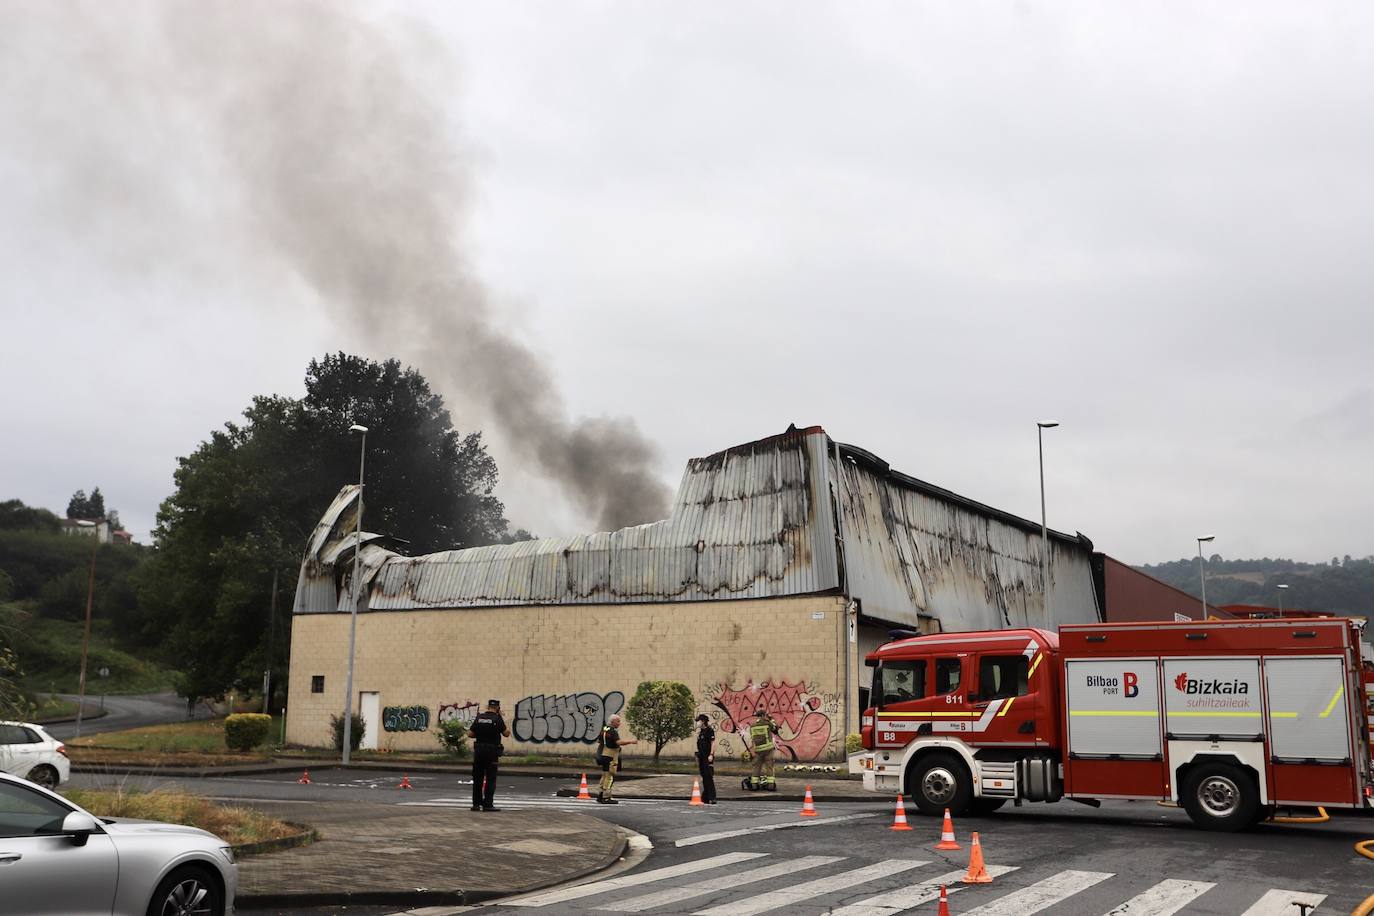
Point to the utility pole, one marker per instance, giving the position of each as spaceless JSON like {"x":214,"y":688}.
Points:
{"x":271,"y":632}
{"x":86,"y":636}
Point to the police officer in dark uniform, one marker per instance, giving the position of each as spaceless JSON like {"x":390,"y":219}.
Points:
{"x":486,"y":733}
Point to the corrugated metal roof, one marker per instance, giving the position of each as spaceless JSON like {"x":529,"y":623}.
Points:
{"x":753,"y":521}
{"x":748,"y":522}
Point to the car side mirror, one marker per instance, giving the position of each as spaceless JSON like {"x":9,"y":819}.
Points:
{"x":79,"y":826}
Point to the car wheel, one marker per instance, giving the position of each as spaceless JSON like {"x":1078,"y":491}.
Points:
{"x":937,"y":782}
{"x":1218,"y":796}
{"x":187,"y":892}
{"x":43,"y":775}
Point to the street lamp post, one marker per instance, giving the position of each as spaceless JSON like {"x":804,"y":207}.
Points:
{"x":1202,"y":566}
{"x":1044,"y":529}
{"x":1282,"y":589}
{"x":353,"y":611}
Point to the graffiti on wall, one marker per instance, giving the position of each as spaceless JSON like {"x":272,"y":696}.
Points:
{"x":570,"y":717}
{"x":405,"y":718}
{"x":804,"y":714}
{"x":463,"y":713}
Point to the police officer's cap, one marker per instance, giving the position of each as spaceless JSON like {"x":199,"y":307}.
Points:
{"x":703,"y":718}
{"x":760,"y":713}
{"x":492,"y":704}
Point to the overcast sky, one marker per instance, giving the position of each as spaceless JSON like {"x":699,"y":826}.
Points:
{"x":923,"y":226}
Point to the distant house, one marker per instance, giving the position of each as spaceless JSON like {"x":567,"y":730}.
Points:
{"x":123,"y":537}
{"x":98,"y":528}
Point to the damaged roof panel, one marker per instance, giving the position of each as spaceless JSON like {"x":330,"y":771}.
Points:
{"x":753,"y":521}
{"x":747,"y":523}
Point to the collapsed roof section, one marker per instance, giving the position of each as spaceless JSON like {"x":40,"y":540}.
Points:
{"x":754,"y":521}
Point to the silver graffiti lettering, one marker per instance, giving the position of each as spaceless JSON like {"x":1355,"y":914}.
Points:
{"x":572,"y":717}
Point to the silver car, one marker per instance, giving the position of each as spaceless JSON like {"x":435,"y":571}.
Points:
{"x":57,"y":859}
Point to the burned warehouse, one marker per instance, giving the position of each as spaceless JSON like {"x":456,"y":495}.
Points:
{"x":781,"y":564}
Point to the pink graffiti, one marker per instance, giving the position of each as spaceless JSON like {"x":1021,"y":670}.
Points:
{"x":805,"y":729}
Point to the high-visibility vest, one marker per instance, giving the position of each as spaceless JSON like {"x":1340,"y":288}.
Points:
{"x":761,"y":735}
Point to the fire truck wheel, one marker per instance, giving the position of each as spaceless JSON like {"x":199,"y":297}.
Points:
{"x":940,"y":781}
{"x":1218,"y":796}
{"x":979,"y":806}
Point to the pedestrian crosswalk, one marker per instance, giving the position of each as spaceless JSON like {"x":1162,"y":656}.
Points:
{"x":752,"y":883}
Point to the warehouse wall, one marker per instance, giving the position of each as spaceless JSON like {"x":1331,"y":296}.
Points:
{"x":547,"y":664}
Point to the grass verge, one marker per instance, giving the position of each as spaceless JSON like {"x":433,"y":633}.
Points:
{"x":199,"y":736}
{"x":235,"y":825}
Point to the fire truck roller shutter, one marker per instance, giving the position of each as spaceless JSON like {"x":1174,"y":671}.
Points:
{"x":1308,"y":711}
{"x":1113,"y":707}
{"x":1212,"y":697}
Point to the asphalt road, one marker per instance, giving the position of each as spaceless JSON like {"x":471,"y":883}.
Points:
{"x":1126,"y":858}
{"x":121,"y":712}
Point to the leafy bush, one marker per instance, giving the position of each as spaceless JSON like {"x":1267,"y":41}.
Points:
{"x":453,"y":737}
{"x":661,"y":711}
{"x":245,"y":731}
{"x":853,"y":744}
{"x":355,"y":737}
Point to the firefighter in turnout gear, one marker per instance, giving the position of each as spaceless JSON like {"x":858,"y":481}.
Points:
{"x":762,"y":747}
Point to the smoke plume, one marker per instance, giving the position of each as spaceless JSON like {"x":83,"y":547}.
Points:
{"x":332,"y":129}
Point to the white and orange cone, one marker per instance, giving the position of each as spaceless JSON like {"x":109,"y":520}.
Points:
{"x":944,"y":902}
{"x":582,"y":792}
{"x":808,"y":806}
{"x":405,"y":782}
{"x":305,"y":778}
{"x":696,"y":793}
{"x":977,"y":871}
{"x":947,"y":834}
{"x":899,"y":820}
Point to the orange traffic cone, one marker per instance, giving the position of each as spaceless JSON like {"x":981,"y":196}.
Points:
{"x":808,"y":806}
{"x":947,"y":834}
{"x":405,"y":782}
{"x":899,"y":821}
{"x":696,"y":794}
{"x":977,"y":871}
{"x":944,"y":902}
{"x":582,"y":792}
{"x":305,"y":778}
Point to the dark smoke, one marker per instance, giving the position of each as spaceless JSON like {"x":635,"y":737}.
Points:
{"x":332,"y":130}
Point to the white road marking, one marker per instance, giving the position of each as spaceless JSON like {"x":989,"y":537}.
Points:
{"x":800,"y":893}
{"x":1280,"y":903}
{"x":727,"y":834}
{"x":647,"y":877}
{"x":907,"y":897}
{"x":722,"y":883}
{"x":1164,"y":899}
{"x":1042,"y":894}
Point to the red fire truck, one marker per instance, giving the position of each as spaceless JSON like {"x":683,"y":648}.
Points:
{"x":1228,"y":718}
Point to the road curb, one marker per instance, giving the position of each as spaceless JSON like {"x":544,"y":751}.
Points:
{"x":423,"y":896}
{"x":306,"y":836}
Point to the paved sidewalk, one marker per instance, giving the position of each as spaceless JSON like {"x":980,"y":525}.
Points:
{"x":404,"y":856}
{"x":790,"y":789}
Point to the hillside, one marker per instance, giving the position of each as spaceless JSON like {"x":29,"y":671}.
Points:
{"x":1343,"y":586}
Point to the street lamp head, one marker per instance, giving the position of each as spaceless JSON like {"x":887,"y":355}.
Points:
{"x":1283,"y":586}
{"x":1210,"y":537}
{"x":1047,"y":425}
{"x":355,"y":428}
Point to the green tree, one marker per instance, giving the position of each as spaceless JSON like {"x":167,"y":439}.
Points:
{"x":661,"y":711}
{"x":15,"y":516}
{"x":83,"y":506}
{"x":249,"y":497}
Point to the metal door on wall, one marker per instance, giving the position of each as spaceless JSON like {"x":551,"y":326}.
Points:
{"x":370,"y":708}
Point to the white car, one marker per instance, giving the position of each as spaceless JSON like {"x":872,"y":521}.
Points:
{"x":28,"y":751}
{"x":57,"y":859}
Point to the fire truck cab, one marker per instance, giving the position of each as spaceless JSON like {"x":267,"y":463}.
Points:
{"x":1230,"y":719}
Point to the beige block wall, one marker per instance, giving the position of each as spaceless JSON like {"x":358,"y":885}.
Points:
{"x":542,"y":661}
